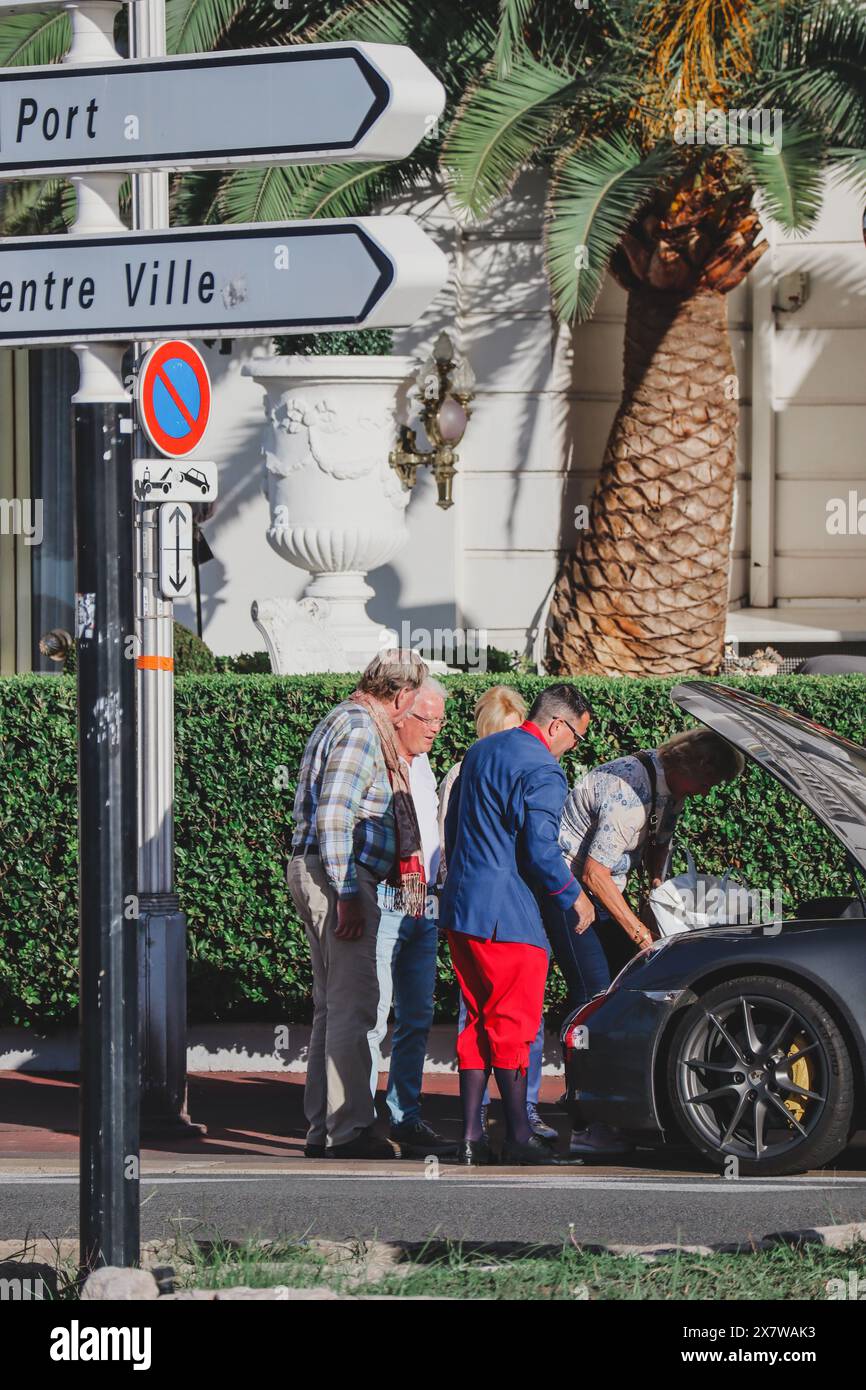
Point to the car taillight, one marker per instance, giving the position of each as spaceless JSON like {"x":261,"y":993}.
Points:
{"x":569,"y":1038}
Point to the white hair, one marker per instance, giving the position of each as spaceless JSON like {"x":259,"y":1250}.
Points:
{"x":434,"y":687}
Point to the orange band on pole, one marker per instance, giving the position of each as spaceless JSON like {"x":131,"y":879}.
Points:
{"x":155,"y":663}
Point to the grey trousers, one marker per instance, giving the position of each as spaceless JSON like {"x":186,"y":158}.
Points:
{"x":337,"y":1100}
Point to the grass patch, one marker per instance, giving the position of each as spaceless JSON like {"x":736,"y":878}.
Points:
{"x":450,"y":1270}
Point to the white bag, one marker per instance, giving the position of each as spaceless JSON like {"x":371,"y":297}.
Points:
{"x":692,"y":901}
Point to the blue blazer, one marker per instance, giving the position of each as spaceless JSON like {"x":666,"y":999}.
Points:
{"x":502,"y":840}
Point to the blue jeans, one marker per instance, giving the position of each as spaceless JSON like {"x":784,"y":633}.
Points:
{"x":581,"y":958}
{"x":536,"y":1057}
{"x":406,"y":965}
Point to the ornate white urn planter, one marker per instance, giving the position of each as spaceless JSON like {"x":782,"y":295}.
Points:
{"x":337,"y":508}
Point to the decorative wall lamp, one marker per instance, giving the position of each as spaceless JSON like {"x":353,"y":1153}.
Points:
{"x":445,"y":385}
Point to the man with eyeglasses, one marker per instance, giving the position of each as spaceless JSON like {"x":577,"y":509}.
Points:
{"x":406,"y":945}
{"x":504,"y":860}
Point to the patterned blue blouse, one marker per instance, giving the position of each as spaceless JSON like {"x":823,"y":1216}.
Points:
{"x":606,"y":816}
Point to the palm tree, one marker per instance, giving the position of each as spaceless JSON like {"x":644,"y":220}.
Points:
{"x":594,"y":95}
{"x":589,"y":90}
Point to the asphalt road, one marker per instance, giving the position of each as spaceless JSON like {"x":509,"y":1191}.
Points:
{"x":397,"y":1202}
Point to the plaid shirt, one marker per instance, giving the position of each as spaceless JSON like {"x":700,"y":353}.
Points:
{"x":344,"y":806}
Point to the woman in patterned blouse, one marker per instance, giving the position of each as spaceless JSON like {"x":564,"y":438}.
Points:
{"x":604,"y":835}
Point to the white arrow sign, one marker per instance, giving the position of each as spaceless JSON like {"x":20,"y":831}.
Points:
{"x":244,"y":281}
{"x":175,"y":550}
{"x":168,"y":480}
{"x":313,"y":103}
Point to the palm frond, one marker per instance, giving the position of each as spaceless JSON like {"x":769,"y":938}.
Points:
{"x":34,"y":207}
{"x":812,"y":64}
{"x":257,"y":195}
{"x":194,"y":198}
{"x":351,"y":190}
{"x":597,"y":188}
{"x":499,"y":124}
{"x":513,"y":15}
{"x":851,"y":168}
{"x":31,"y":40}
{"x":789,"y":174}
{"x":366,"y":21}
{"x":454,"y":39}
{"x":334,"y":190}
{"x":195,"y":26}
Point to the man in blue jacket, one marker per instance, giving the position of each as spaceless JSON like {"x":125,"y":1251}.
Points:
{"x":502,"y":848}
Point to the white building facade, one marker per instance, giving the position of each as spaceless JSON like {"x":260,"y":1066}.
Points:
{"x":545,"y":401}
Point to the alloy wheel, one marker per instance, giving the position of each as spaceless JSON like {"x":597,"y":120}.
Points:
{"x":754,"y":1074}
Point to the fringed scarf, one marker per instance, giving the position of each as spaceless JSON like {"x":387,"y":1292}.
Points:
{"x":407,"y":876}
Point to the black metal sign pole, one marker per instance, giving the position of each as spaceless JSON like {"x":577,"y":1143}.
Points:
{"x":108,"y":863}
{"x":107,"y":816}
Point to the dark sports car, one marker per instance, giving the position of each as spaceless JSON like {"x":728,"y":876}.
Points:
{"x":747,"y":1041}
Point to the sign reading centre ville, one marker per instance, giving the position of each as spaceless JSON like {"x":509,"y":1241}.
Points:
{"x":316,"y":103}
{"x":240,"y":281}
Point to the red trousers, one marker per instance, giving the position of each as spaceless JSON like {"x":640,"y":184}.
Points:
{"x":503,"y":985}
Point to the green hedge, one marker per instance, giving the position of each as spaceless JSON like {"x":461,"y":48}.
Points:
{"x":239,"y":741}
{"x":192,"y":656}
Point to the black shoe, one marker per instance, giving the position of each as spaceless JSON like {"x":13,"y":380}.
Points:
{"x":365,"y":1145}
{"x":314,"y":1151}
{"x":537,"y":1125}
{"x":417,"y":1140}
{"x":535,"y":1152}
{"x":474,"y":1153}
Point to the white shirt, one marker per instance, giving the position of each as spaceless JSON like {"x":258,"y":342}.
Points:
{"x":425,"y":796}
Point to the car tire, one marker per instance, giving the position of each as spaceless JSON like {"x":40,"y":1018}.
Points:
{"x":765,"y":997}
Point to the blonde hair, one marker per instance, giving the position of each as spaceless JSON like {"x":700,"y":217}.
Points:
{"x":494,"y":707}
{"x":700,"y":750}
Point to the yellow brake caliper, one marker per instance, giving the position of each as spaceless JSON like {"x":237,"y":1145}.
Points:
{"x":801,"y":1075}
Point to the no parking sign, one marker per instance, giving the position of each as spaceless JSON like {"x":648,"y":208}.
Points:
{"x":173,"y":395}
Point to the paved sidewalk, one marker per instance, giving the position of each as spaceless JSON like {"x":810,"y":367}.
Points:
{"x":250,"y":1116}
{"x":255,"y":1125}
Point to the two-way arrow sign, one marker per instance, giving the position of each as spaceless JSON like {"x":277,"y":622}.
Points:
{"x":175,"y":549}
{"x":312,"y":104}
{"x":246,"y":280}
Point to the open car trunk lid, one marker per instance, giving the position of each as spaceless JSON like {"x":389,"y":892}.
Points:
{"x":826,"y":772}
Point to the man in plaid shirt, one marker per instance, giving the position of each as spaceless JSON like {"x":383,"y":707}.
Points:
{"x":344,"y":844}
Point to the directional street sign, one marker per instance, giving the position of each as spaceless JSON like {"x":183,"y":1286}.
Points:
{"x":173,"y":396}
{"x":242,"y":281}
{"x":175,"y":550}
{"x":158,"y":480}
{"x":29,"y":6}
{"x":318,"y":103}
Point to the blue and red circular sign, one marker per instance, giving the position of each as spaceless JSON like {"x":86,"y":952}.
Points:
{"x":173,"y":394}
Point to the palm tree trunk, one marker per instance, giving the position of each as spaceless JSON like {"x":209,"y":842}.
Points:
{"x":646,"y":589}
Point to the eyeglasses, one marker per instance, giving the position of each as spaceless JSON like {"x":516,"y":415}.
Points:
{"x":578,"y":738}
{"x":425,"y":719}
